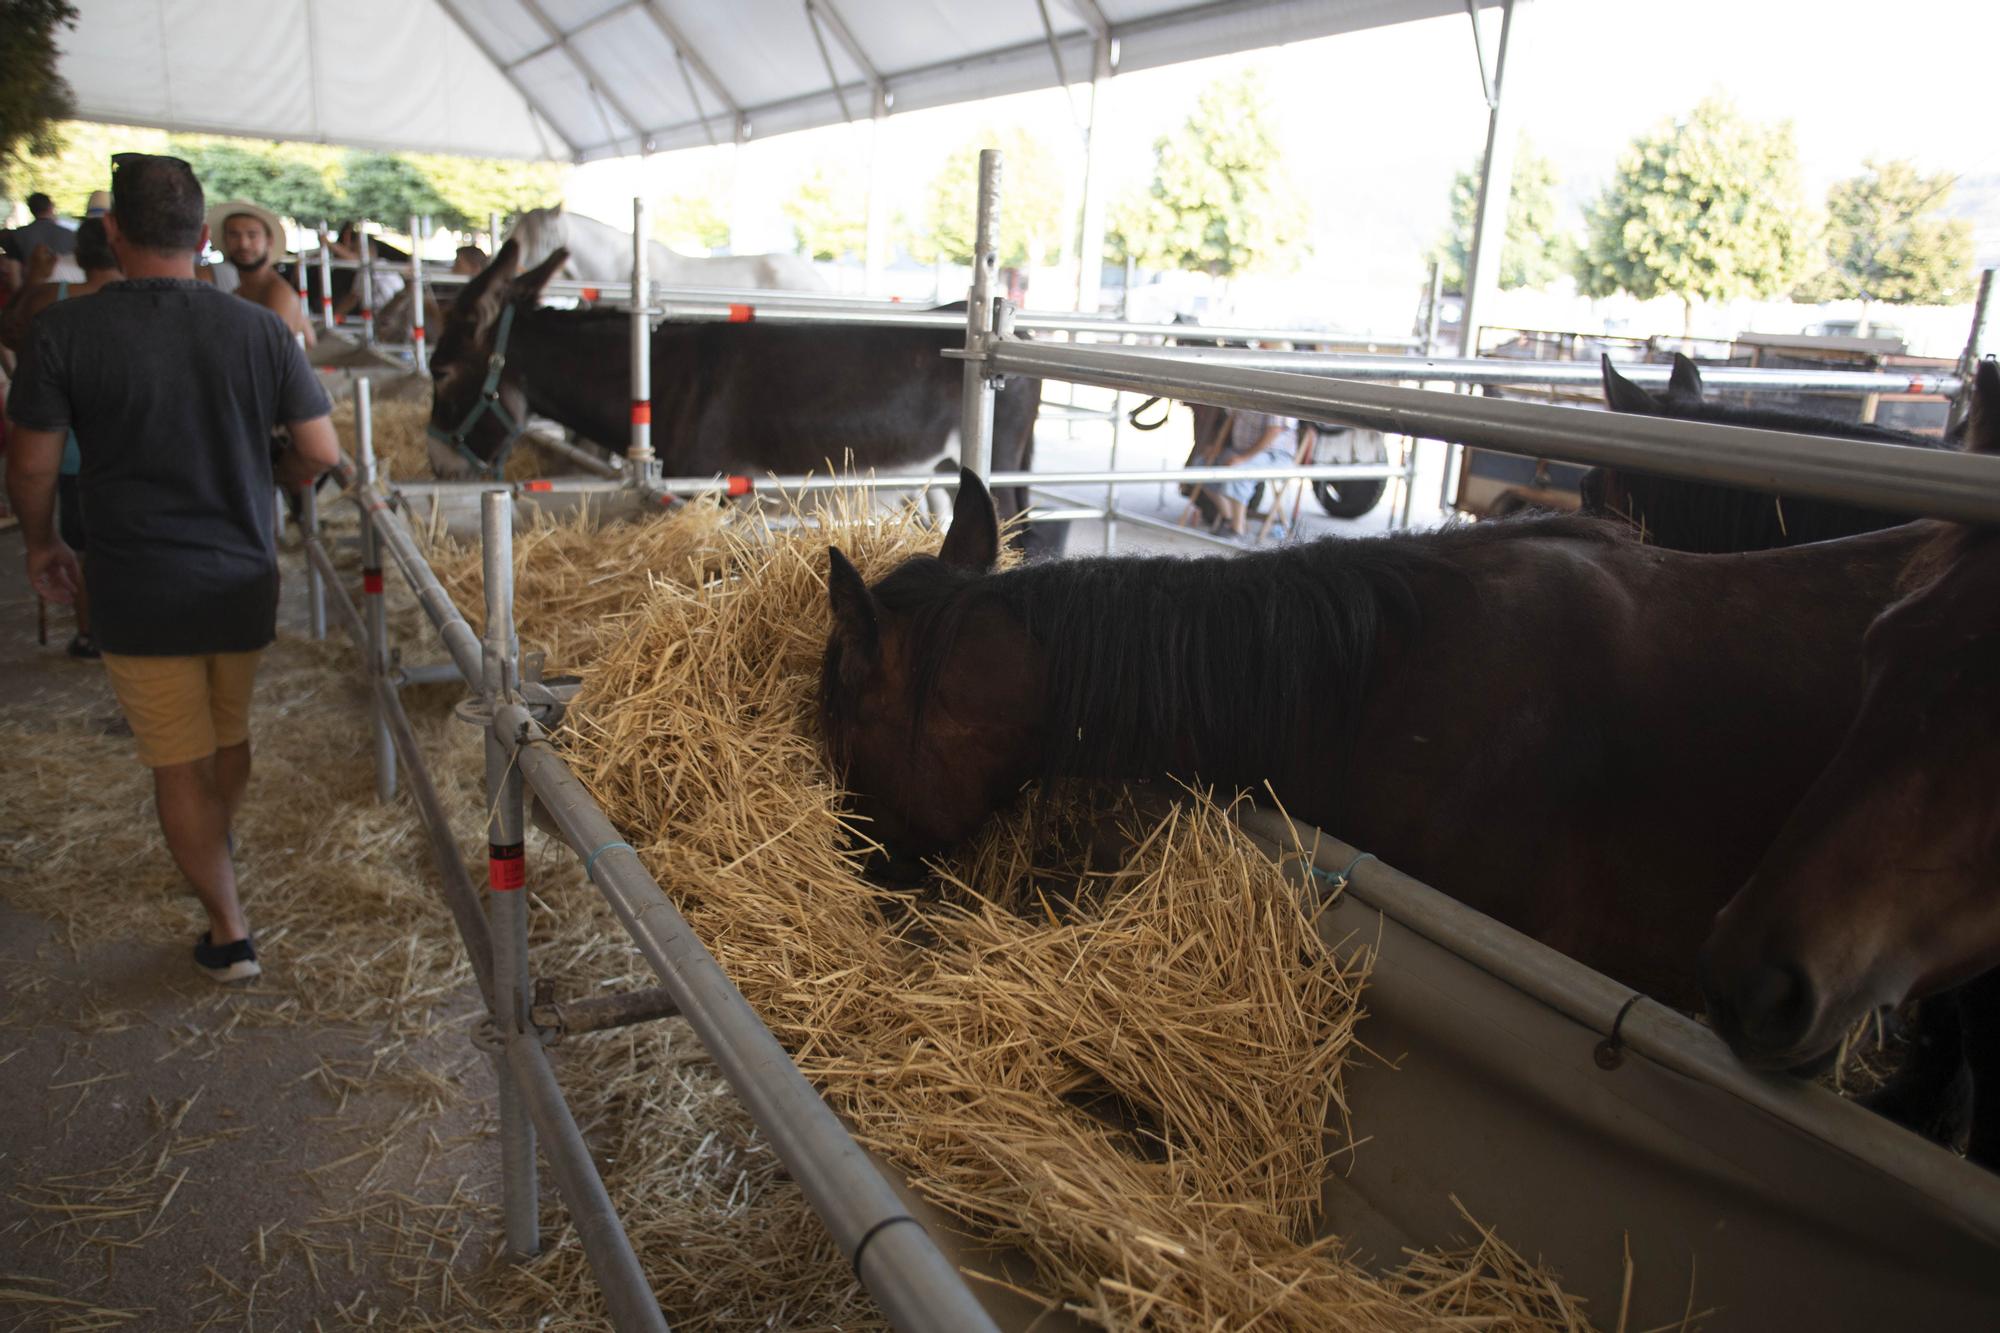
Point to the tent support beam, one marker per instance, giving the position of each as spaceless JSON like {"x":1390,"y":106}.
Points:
{"x":473,"y":35}
{"x":599,"y":86}
{"x":693,"y":57}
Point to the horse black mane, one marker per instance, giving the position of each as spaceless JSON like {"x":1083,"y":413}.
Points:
{"x":1703,"y":516}
{"x":1166,"y":664}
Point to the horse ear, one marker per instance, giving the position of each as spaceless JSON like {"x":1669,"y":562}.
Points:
{"x":1684,"y":386}
{"x":1982,"y":427}
{"x":856,"y":627}
{"x":481,"y":296}
{"x":973,"y":544}
{"x":528,"y":287}
{"x":1622,"y":395}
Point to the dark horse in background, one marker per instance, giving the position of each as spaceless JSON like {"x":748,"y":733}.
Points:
{"x":727,"y":398}
{"x":1884,"y":885}
{"x":1588,"y":738}
{"x":1702,"y":516}
{"x":1934,"y":1091}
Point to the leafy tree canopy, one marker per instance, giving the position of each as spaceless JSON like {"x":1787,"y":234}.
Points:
{"x":1888,"y":240}
{"x":1221,"y":200}
{"x":34,"y":99}
{"x":1536,"y":253}
{"x":829,"y":215}
{"x":1034,"y":225}
{"x":1705,"y":208}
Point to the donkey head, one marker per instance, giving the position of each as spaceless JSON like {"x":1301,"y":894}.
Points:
{"x":470,"y":371}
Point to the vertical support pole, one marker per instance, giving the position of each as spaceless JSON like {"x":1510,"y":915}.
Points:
{"x":325,"y":278}
{"x":315,"y":587}
{"x":1111,"y":490}
{"x":640,"y":465}
{"x":374,"y":610}
{"x":1968,"y":360}
{"x":1090,"y":238}
{"x":299,"y":272}
{"x":417,"y":294}
{"x":1489,"y":229}
{"x":875,"y":248}
{"x":506,"y":871}
{"x":975,"y":432}
{"x":492,"y":235}
{"x":1430,"y":329}
{"x":364,"y":278}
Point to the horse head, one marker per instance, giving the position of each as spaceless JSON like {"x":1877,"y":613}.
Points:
{"x":930,"y":692}
{"x":1882,"y":885}
{"x":1682,"y":395}
{"x":477,"y":404}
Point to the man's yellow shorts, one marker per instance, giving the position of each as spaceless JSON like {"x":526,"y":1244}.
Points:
{"x":184,"y":708}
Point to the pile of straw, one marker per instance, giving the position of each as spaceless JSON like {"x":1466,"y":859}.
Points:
{"x":1124,"y":1071}
{"x":576,"y":580}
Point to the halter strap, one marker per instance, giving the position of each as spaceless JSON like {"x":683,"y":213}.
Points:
{"x":489,"y":401}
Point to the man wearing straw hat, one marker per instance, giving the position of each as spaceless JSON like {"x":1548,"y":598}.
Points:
{"x":253,"y":241}
{"x":172,"y":389}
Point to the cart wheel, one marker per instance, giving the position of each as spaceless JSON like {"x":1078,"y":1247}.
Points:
{"x":1349,"y":499}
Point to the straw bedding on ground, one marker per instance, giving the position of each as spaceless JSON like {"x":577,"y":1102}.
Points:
{"x":1119,"y":1063}
{"x":402,"y":448}
{"x":1123,"y":1070}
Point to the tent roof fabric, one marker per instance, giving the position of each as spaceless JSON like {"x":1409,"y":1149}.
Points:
{"x":586,"y":79}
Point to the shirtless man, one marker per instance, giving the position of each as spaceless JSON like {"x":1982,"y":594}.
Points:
{"x":252,"y":239}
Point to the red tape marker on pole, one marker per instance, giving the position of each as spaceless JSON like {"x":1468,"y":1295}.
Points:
{"x":741,"y":485}
{"x":371,"y":582}
{"x":506,"y":867}
{"x":741,"y":314}
{"x":642,"y":413}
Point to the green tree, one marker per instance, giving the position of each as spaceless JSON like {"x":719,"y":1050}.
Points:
{"x":472,"y":188}
{"x":1220,"y":201}
{"x":1034,"y":225}
{"x":829,"y":215}
{"x":34,"y":99}
{"x":1887,"y":240}
{"x":690,"y":221}
{"x":1536,"y":253}
{"x":292,"y":180}
{"x":389,"y":188}
{"x":82,"y":162}
{"x":1704,"y":208}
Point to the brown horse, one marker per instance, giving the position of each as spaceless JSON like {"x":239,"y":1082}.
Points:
{"x":1885,"y":882}
{"x":1590,"y":739}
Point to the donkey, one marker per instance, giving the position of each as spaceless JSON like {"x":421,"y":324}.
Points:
{"x":727,"y":398}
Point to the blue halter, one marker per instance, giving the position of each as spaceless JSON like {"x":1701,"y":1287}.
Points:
{"x":489,"y":401}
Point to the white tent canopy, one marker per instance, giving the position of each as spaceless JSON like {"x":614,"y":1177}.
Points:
{"x":587,"y":79}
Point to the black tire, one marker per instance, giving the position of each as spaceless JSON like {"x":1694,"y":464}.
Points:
{"x":1349,"y":499}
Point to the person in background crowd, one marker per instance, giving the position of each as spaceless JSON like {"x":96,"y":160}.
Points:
{"x":44,"y":229}
{"x":253,"y":240}
{"x":1255,"y":440}
{"x":173,"y":389}
{"x":384,"y":281}
{"x":469,"y":261}
{"x":97,"y":205}
{"x":100,"y":266}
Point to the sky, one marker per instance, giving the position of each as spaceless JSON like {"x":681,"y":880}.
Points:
{"x":1376,"y":123}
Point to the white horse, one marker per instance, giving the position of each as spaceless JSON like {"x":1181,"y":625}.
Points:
{"x":600,"y":252}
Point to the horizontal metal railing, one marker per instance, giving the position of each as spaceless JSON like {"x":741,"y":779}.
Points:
{"x":1897,"y":478}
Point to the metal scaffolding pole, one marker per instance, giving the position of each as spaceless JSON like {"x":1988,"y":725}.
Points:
{"x":364,"y":277}
{"x":914,"y":1284}
{"x":975,"y":438}
{"x":640,"y":464}
{"x":506,"y":872}
{"x":417,"y":295}
{"x":376,"y":613}
{"x":326,"y":318}
{"x":315,"y":585}
{"x":1894,"y":477}
{"x":1496,"y":179}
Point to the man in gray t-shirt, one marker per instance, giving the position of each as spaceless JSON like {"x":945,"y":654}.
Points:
{"x":172,"y":389}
